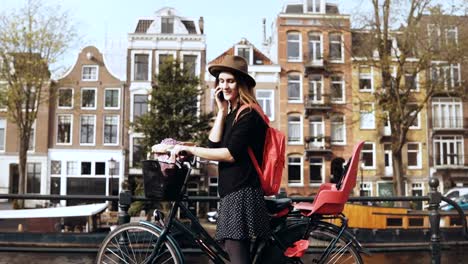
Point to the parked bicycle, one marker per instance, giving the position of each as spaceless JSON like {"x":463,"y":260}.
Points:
{"x":302,"y":233}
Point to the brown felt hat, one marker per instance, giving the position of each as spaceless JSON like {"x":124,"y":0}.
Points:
{"x":233,"y":64}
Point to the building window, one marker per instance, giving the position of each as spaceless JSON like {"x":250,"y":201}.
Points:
{"x":266,"y":100}
{"x":316,"y":171}
{"x":33,"y":184}
{"x":412,"y":108}
{"x":137,"y":152}
{"x":367,"y":116}
{"x":368,"y":156}
{"x":451,"y":36}
{"x":294,"y":46}
{"x":411,"y":81}
{"x":447,"y":113}
{"x":88,"y":98}
{"x":315,"y":47}
{"x":190,"y":64}
{"x":294,"y":87}
{"x":366,"y":83}
{"x":366,"y":188}
{"x":112,"y":98}
{"x":65,"y":98}
{"x":167,"y":25}
{"x":294,"y":129}
{"x":295,"y":170}
{"x":336,"y":47}
{"x":111,"y":124}
{"x":87,"y":129}
{"x":445,"y":76}
{"x":414,"y":156}
{"x":316,"y":88}
{"x":337,"y":89}
{"x":316,"y":132}
{"x":85,"y":168}
{"x":164,"y":59}
{"x":434,"y":37}
{"x":140,"y":105}
{"x":90,"y":73}
{"x":388,"y":159}
{"x":244,"y":52}
{"x":2,"y":134}
{"x":100,"y":168}
{"x":314,"y":6}
{"x":55,"y":167}
{"x":72,"y":168}
{"x":448,"y":151}
{"x":338,"y":129}
{"x":64,"y":124}
{"x":141,"y":67}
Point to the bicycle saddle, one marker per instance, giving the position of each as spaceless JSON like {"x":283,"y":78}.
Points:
{"x":277,"y":205}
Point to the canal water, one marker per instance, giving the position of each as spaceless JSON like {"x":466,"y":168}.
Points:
{"x":453,"y":256}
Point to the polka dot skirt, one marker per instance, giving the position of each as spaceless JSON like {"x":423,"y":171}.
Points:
{"x":243,"y":215}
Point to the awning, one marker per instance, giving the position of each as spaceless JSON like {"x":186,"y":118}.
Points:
{"x":67,"y":211}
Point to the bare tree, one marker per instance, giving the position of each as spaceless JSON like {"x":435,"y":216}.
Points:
{"x":31,"y":40}
{"x":402,"y":40}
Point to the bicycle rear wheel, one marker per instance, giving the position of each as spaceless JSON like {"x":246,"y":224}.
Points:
{"x":134,"y":243}
{"x":321,"y":240}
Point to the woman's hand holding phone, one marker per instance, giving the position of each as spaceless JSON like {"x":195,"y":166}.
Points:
{"x":220,"y":101}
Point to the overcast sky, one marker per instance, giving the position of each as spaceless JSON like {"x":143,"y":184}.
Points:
{"x":106,"y":23}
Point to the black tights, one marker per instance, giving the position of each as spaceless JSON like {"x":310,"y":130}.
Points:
{"x":238,"y":250}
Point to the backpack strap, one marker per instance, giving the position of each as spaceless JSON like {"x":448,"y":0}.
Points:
{"x":267,"y":121}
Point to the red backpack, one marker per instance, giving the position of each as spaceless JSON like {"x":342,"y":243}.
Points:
{"x":274,"y":152}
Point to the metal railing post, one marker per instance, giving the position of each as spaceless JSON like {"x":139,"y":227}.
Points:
{"x":125,"y":199}
{"x":434,"y":219}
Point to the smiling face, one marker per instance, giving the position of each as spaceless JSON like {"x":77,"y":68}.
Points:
{"x":228,"y":83}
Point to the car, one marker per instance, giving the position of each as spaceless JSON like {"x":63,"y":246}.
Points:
{"x":462,"y":201}
{"x":452,"y":194}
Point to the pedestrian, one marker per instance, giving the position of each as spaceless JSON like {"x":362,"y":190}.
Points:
{"x":242,"y":214}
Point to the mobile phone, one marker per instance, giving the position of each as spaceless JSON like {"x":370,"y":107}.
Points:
{"x":221,"y":96}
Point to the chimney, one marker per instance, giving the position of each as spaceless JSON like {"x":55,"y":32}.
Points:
{"x":200,"y":24}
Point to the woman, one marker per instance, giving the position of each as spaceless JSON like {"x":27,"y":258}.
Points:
{"x":242,"y":213}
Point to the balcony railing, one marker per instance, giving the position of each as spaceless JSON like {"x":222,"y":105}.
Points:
{"x":450,"y":161}
{"x":448,"y":123}
{"x":315,"y":102}
{"x":318,"y":143}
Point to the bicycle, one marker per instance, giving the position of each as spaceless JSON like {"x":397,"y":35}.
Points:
{"x":301,"y":234}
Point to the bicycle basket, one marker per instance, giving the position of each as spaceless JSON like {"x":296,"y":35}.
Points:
{"x":163,"y":181}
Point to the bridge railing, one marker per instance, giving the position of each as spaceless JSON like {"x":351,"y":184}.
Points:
{"x":434,"y":198}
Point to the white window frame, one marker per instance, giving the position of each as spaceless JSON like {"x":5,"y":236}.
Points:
{"x":341,"y":60}
{"x":419,"y":155}
{"x":249,"y":47}
{"x":198,"y":60}
{"x":104,"y":130}
{"x":317,"y":138}
{"x":447,"y":113}
{"x":118,"y":98}
{"x":301,"y":164}
{"x":316,"y":88}
{"x":3,"y":125}
{"x":132,"y":64}
{"x":94,"y":130}
{"x":449,"y":139}
{"x":366,"y":186}
{"x":166,"y":52}
{"x":388,"y":170}
{"x":343,"y":89}
{"x":344,"y":130}
{"x":300,"y":100}
{"x":368,"y":76}
{"x":314,"y":59}
{"x":416,"y":80}
{"x":317,"y":6}
{"x":454,"y":29}
{"x":322,"y":171}
{"x":434,"y":29}
{"x":301,"y":129}
{"x":90,"y":79}
{"x":95,"y":98}
{"x":373,"y":156}
{"x":267,"y":100}
{"x":418,"y":118}
{"x":72,"y":170}
{"x":57,"y":131}
{"x":72,"y":99}
{"x":363,"y":114}
{"x":441,"y":68}
{"x":299,"y":58}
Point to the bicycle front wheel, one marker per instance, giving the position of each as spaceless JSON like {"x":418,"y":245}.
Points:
{"x":134,"y":243}
{"x":325,"y":248}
